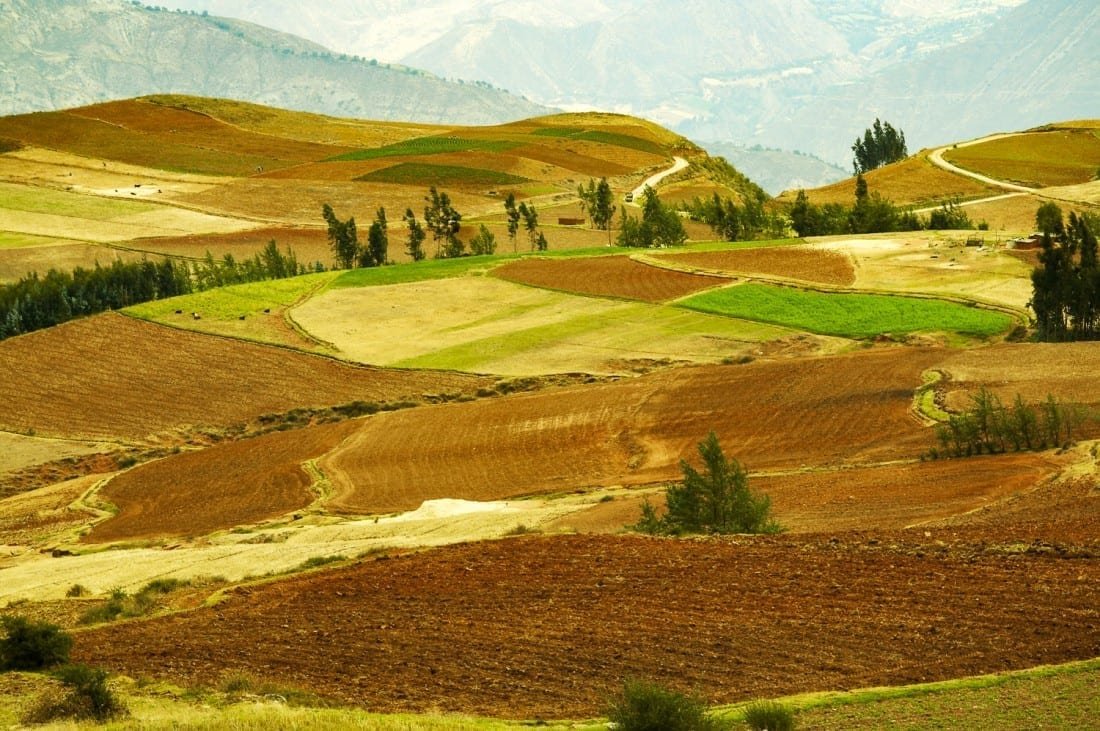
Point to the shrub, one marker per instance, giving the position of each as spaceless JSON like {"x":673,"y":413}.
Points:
{"x":647,"y":706}
{"x":31,"y":645}
{"x":86,"y":697}
{"x":769,"y":716}
{"x":77,"y":590}
{"x":717,"y":501}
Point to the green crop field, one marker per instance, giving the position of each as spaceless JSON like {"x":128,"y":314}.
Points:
{"x":421,"y":146}
{"x":607,"y":138}
{"x":19,"y":241}
{"x":847,"y":315}
{"x":60,"y":203}
{"x":418,"y":173}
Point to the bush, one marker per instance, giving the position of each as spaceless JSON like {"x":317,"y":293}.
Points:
{"x":646,"y":706}
{"x":718,"y":501}
{"x":87,"y":698}
{"x":31,"y":645}
{"x":769,"y":716}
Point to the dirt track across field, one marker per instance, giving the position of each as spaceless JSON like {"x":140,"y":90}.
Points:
{"x":548,"y":627}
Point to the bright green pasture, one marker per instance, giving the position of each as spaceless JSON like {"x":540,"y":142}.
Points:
{"x":418,"y":173}
{"x":60,"y":203}
{"x":229,"y":303}
{"x":847,"y":315}
{"x":428,"y":146}
{"x":10,"y":240}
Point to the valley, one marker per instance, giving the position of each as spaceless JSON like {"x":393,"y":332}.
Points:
{"x":412,"y":488}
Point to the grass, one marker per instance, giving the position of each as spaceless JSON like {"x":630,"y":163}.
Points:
{"x":75,"y":205}
{"x":10,"y":240}
{"x":229,"y":303}
{"x":417,"y":272}
{"x":416,"y":173}
{"x":847,"y":315}
{"x":420,"y":146}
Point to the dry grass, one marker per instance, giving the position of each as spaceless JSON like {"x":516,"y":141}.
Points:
{"x":1038,"y":159}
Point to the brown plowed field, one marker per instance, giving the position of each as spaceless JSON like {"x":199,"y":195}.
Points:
{"x":309,"y":244}
{"x":770,"y":415}
{"x":1033,"y":370}
{"x":548,"y":627}
{"x":886,"y":497}
{"x":607,"y":276}
{"x":811,"y":265}
{"x":111,"y":376}
{"x":232,"y":484}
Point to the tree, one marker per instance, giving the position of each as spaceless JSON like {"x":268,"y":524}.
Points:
{"x":1048,"y":219}
{"x":530,"y":222}
{"x":659,"y":225}
{"x":415,"y":246}
{"x":513,"y":218}
{"x":484,"y":242}
{"x":604,"y":210}
{"x":374,"y":253}
{"x":342,"y":237}
{"x":444,"y":222}
{"x":31,"y":645}
{"x":718,"y":500}
{"x":880,"y":145}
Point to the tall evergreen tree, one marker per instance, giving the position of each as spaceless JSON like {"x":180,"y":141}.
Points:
{"x":415,"y":246}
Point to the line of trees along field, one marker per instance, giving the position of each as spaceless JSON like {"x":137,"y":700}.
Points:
{"x":1066,"y":284}
{"x":36,"y":302}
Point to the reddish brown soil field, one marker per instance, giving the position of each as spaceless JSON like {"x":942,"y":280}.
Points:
{"x":607,"y":276}
{"x":888,"y":497}
{"x":1032,"y":370}
{"x":811,"y":265}
{"x":548,"y":627}
{"x":218,"y":488}
{"x":770,"y":415}
{"x":111,"y":376}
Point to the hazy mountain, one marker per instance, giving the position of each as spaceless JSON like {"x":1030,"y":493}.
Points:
{"x":791,"y":74}
{"x":778,"y":170}
{"x":64,"y":53}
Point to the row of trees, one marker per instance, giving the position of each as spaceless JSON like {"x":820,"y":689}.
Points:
{"x":1066,"y":284}
{"x":659,"y":225}
{"x":871,"y":213}
{"x":35,"y":302}
{"x":880,"y":145}
{"x":990,"y":427}
{"x":734,"y":222}
{"x":343,"y":238}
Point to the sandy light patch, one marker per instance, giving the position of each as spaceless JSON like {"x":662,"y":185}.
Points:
{"x":18,"y":451}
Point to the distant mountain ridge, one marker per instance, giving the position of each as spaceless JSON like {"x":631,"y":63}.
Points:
{"x":63,"y":53}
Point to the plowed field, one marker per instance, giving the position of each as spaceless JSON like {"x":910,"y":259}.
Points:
{"x":309,"y":244}
{"x":1032,"y":370}
{"x":218,"y":488}
{"x":812,"y":265}
{"x":783,"y":414}
{"x":549,"y":626}
{"x":606,"y":276}
{"x":111,"y":376}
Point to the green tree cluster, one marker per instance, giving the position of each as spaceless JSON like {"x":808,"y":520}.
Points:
{"x":414,"y":246}
{"x":1066,"y":284}
{"x":659,"y":226}
{"x":343,"y":238}
{"x":733,"y":222}
{"x":484,"y":242}
{"x":990,"y":427}
{"x":32,"y":645}
{"x":598,"y":203}
{"x":880,"y":145}
{"x":35,"y":302}
{"x":444,"y":222}
{"x":871,"y":213}
{"x":717,"y":500}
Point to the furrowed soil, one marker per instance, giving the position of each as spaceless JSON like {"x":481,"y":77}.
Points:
{"x":37,"y":515}
{"x":548,"y":627}
{"x":218,"y":488}
{"x":607,"y":276}
{"x":111,"y":376}
{"x":770,"y":415}
{"x":809,"y":264}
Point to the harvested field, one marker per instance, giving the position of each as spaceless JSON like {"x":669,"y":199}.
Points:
{"x":510,"y":329}
{"x":607,"y":276}
{"x":18,"y":263}
{"x":547,"y":627}
{"x":309,"y":244}
{"x":28,"y":518}
{"x":1032,"y":370}
{"x":18,"y":450}
{"x":227,"y":485}
{"x":878,"y":497}
{"x":808,"y":264}
{"x":914,"y":181}
{"x":770,"y":415}
{"x":111,"y":376}
{"x":1037,"y":159}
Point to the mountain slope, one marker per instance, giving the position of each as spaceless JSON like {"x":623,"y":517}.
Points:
{"x":60,"y":53}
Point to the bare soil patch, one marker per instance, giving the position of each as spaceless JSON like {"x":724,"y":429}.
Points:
{"x":547,"y":627}
{"x":26,"y":518}
{"x":809,"y":264}
{"x":1032,"y":370}
{"x":111,"y":376}
{"x":606,"y":276}
{"x":770,"y":415}
{"x":217,"y":488}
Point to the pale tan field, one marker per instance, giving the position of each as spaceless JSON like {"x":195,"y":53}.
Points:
{"x":483,"y":324}
{"x":936,"y":263}
{"x":16,"y":263}
{"x":18,"y":450}
{"x":47,"y":515}
{"x":169,"y":222}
